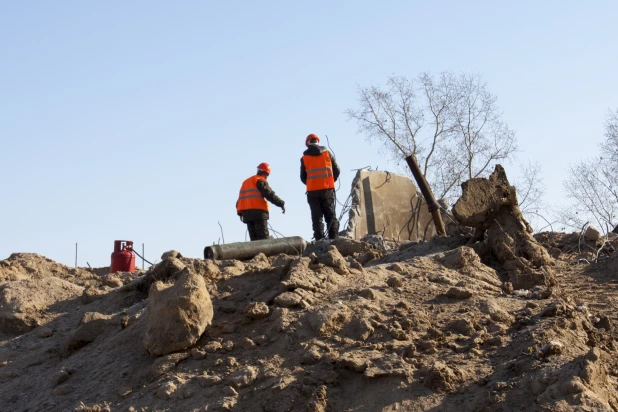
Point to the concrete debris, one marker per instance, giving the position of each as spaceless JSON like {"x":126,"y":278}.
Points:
{"x":386,"y":203}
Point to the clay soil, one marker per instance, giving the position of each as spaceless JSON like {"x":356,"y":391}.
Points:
{"x":419,"y":327}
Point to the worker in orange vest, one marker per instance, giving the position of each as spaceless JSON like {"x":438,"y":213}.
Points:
{"x":252,"y":206}
{"x":319,"y":171}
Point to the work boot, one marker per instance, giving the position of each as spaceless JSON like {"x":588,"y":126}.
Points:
{"x":318,"y":230}
{"x":333,"y":229}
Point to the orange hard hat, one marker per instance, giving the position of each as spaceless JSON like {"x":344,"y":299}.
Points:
{"x":310,"y":137}
{"x":264,"y":167}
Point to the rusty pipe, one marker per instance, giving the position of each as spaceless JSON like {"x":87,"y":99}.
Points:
{"x":432,"y":205}
{"x":294,"y":245}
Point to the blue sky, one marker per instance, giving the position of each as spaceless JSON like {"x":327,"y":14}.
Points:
{"x":139,"y":120}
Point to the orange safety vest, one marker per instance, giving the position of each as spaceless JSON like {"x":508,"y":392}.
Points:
{"x":250,"y":197}
{"x":319,"y":172}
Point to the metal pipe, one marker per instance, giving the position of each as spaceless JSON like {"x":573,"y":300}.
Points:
{"x":432,"y":205}
{"x":294,"y":245}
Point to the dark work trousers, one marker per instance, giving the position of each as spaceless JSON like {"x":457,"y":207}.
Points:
{"x":322,"y":204}
{"x":258,"y":229}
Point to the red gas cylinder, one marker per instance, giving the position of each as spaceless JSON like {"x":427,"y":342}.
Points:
{"x":123,"y":258}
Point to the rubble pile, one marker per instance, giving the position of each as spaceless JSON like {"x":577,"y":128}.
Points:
{"x":457,"y":323}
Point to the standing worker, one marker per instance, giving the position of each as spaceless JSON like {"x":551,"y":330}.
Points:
{"x":252,"y":206}
{"x":319,"y":171}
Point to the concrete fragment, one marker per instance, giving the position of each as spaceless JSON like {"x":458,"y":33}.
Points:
{"x":384,"y":202}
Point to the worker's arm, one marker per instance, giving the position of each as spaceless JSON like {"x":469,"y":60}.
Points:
{"x":336,"y":170}
{"x":269,"y":194}
{"x":303,"y":172}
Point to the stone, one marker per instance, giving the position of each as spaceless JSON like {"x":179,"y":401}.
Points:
{"x":496,"y":313}
{"x":166,"y":364}
{"x":311,"y":357}
{"x":354,"y":362}
{"x":62,"y":390}
{"x":112,"y":281}
{"x":167,"y":270}
{"x":177,"y":314}
{"x":458,"y":293}
{"x":592,"y":233}
{"x":461,"y":326}
{"x":247,"y":343}
{"x":166,"y":391}
{"x":328,"y":320}
{"x":368,"y":294}
{"x":425,"y":345}
{"x":243,"y":377}
{"x":228,"y":345}
{"x":212,"y":347}
{"x":171,"y":254}
{"x":60,"y":377}
{"x":208,"y":380}
{"x":549,"y":311}
{"x":278,"y":313}
{"x":256,"y":310}
{"x":332,"y":258}
{"x":288,"y":299}
{"x":398,"y":334}
{"x":494,"y":341}
{"x":198,"y":354}
{"x":395,"y":281}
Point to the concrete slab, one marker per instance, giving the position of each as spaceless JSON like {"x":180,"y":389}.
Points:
{"x":385,"y":203}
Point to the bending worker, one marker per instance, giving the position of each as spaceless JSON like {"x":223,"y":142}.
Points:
{"x":252,"y":206}
{"x":319,"y":171}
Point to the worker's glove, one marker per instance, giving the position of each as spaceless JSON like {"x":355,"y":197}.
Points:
{"x":283,"y":209}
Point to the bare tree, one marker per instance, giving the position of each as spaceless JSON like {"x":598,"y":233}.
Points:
{"x":592,"y":185}
{"x":450,"y":122}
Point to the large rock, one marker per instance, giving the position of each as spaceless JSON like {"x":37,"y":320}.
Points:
{"x":178,"y":314}
{"x":23,"y":302}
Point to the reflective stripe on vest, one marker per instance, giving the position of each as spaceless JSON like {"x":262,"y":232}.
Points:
{"x":250,"y":197}
{"x":319,"y":172}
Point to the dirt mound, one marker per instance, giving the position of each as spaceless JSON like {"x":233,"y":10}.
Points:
{"x":423,"y":328}
{"x":26,"y":266}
